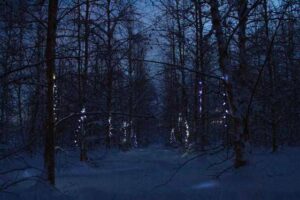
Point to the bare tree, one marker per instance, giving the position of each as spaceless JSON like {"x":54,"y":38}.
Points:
{"x":49,"y":155}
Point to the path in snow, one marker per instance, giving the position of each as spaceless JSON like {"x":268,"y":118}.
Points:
{"x":124,"y":175}
{"x":133,"y":175}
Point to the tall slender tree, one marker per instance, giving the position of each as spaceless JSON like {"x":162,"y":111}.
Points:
{"x":49,"y":154}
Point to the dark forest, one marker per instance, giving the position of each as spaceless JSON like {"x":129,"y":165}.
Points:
{"x":149,"y":99}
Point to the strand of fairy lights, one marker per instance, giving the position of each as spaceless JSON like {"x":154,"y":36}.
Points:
{"x":110,"y":128}
{"x":200,"y":96}
{"x":133,"y":135}
{"x":172,"y":136}
{"x":187,"y":133}
{"x":135,"y":142}
{"x":55,"y":95}
{"x":179,"y":119}
{"x":124,"y":128}
{"x":226,"y":110}
{"x":80,"y":127}
{"x":225,"y":106}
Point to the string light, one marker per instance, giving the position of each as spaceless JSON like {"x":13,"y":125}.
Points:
{"x":55,"y":96}
{"x":135,"y":143}
{"x":187,"y":131}
{"x":187,"y":134}
{"x":200,"y":96}
{"x":110,"y":127}
{"x":225,"y":77}
{"x":179,"y":119}
{"x":225,"y":107}
{"x":133,"y":135}
{"x":124,"y":128}
{"x":80,"y":128}
{"x":172,"y":136}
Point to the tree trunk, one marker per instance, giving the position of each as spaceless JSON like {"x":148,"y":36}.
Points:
{"x":109,"y":75}
{"x":236,"y":111}
{"x":83,"y":146}
{"x":271,"y":79}
{"x":49,"y":154}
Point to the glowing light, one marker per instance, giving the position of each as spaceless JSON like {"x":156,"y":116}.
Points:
{"x":110,"y":127}
{"x":225,"y":77}
{"x":80,"y":129}
{"x":187,"y":134}
{"x":172,"y":136}
{"x":55,"y":101}
{"x":124,"y":128}
{"x":200,"y":96}
{"x":225,"y":106}
{"x":135,"y":144}
{"x":206,"y":185}
{"x":179,"y":118}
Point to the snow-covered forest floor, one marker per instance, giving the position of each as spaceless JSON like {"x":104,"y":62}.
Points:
{"x":158,"y":173}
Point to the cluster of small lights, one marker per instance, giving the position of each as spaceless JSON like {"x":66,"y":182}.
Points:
{"x":80,"y":127}
{"x":225,"y":107}
{"x":133,"y":135}
{"x":200,"y":95}
{"x":187,"y":130}
{"x":172,"y":136}
{"x":135,"y":144}
{"x":218,"y":121}
{"x":55,"y":95}
{"x":187,"y":134}
{"x":124,"y":129}
{"x":179,"y":119}
{"x":110,"y":127}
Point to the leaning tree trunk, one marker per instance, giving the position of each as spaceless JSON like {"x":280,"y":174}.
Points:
{"x":49,"y":154}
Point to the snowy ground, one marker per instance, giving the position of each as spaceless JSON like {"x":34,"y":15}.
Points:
{"x":143,"y":174}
